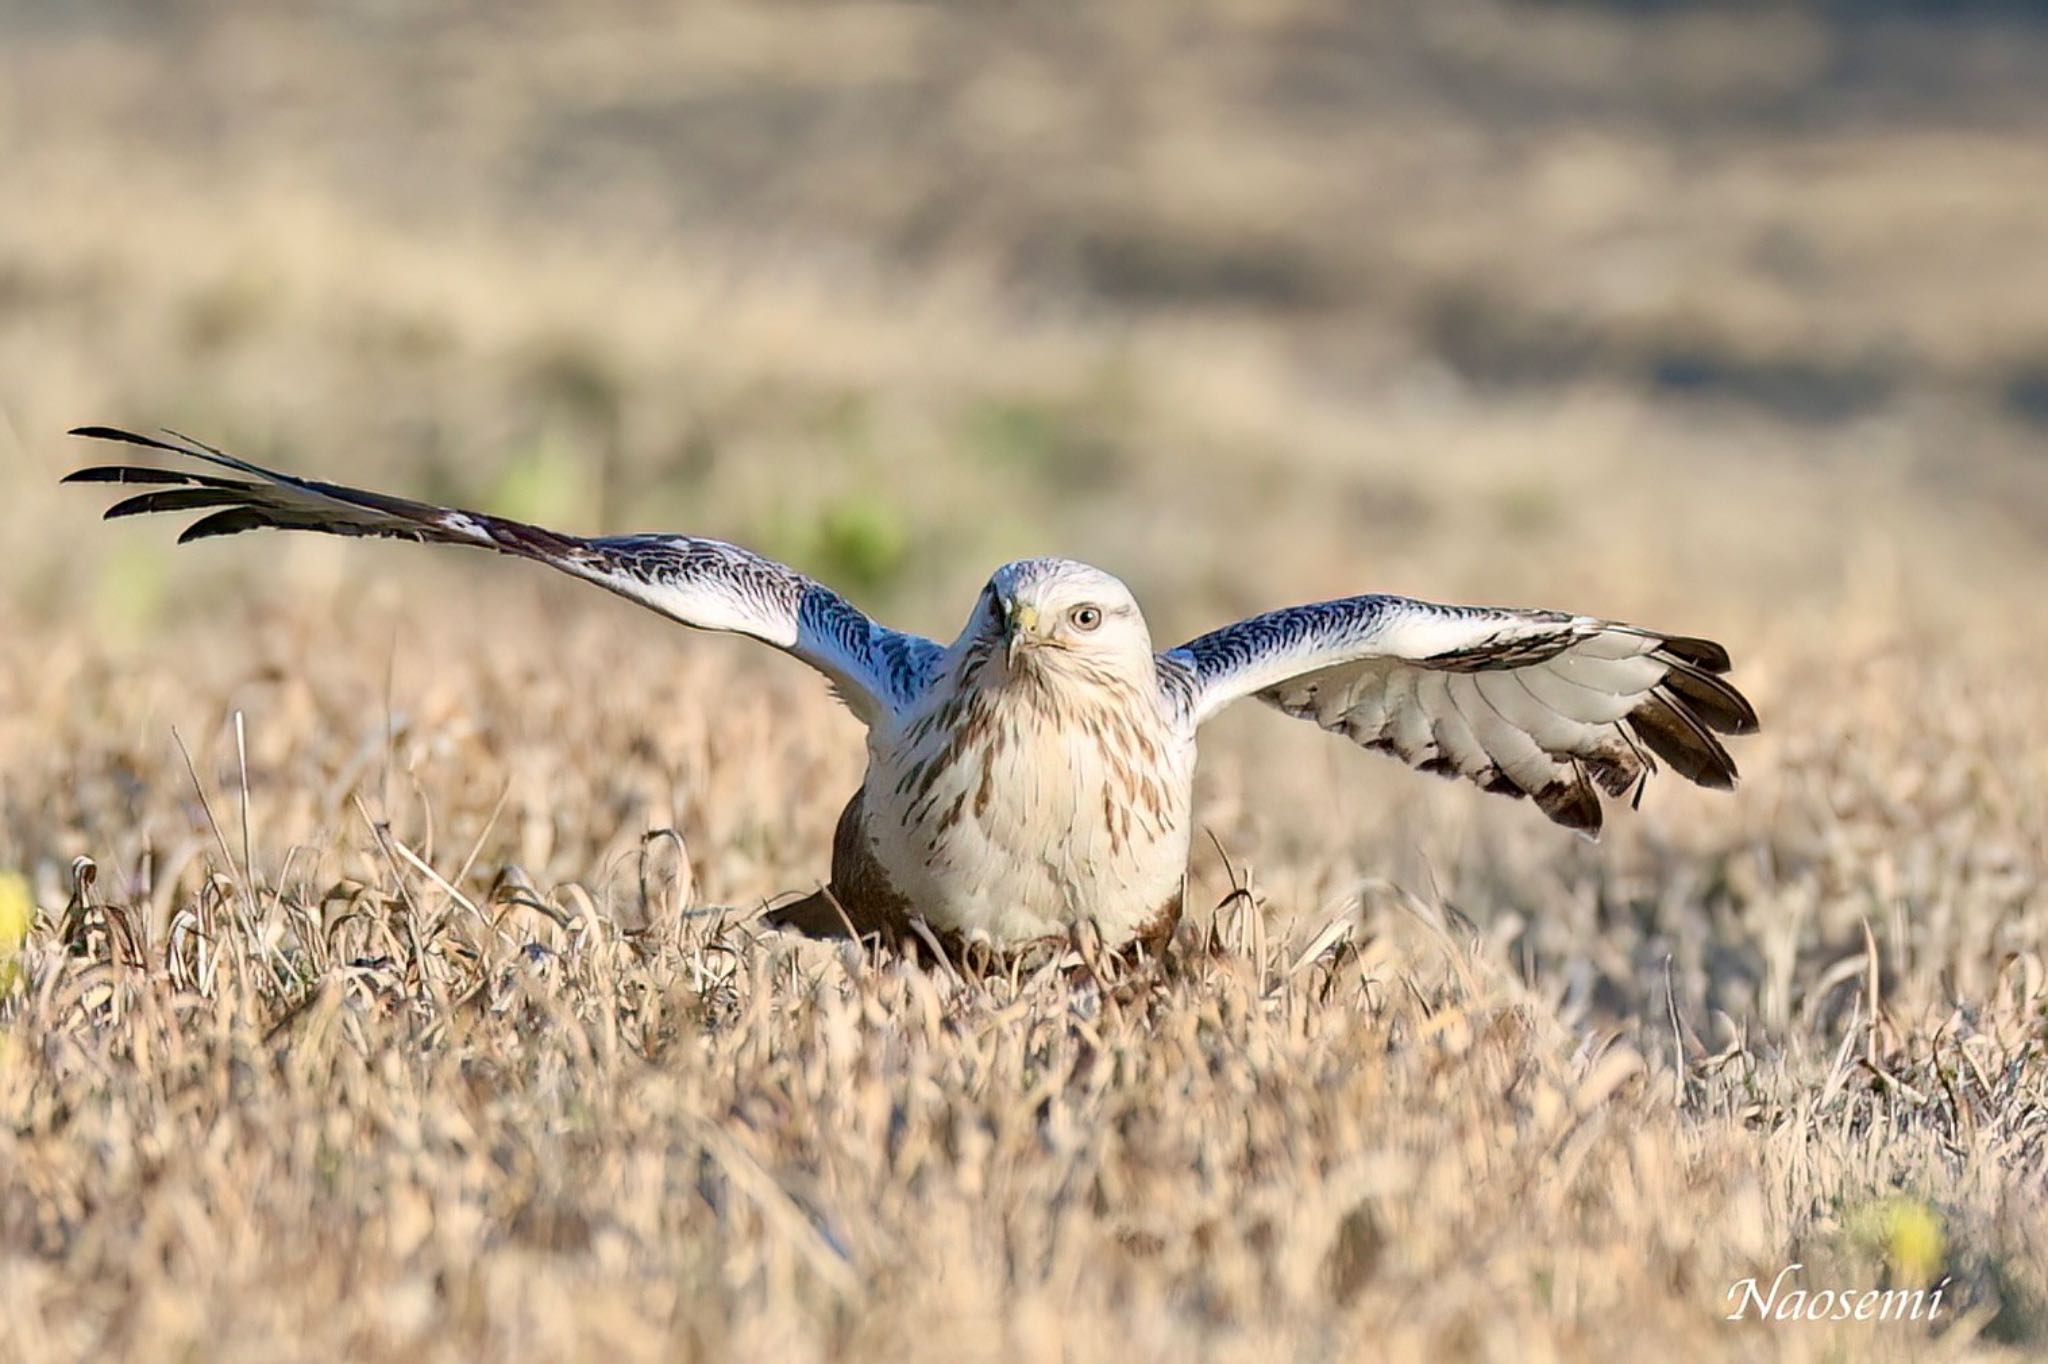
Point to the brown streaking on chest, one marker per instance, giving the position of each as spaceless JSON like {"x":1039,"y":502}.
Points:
{"x":861,"y":896}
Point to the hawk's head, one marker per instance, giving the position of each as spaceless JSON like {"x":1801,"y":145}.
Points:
{"x":1058,"y":615}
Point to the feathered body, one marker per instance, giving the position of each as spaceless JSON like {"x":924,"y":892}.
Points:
{"x":1034,"y":790}
{"x":1036,"y":775}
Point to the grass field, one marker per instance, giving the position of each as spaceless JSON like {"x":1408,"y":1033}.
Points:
{"x":379,"y":977}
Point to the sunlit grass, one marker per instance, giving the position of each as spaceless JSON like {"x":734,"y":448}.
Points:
{"x":425,"y":1014}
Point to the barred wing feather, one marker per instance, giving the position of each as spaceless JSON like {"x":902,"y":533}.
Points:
{"x":1524,"y":703}
{"x":707,"y":584}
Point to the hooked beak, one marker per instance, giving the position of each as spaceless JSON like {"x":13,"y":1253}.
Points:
{"x":1021,"y":620}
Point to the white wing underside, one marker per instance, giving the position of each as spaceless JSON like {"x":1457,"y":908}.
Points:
{"x":706,"y":584}
{"x":1524,"y":703}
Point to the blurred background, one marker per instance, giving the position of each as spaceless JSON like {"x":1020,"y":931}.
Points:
{"x":1730,"y":319}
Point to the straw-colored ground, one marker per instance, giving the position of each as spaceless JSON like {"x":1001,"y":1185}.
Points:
{"x":408,"y":1005}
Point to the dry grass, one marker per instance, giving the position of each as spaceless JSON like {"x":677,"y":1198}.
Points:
{"x":423,"y":1016}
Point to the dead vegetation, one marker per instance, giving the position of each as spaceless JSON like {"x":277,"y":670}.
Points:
{"x":390,"y":987}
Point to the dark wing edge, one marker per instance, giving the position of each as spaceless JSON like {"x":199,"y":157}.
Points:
{"x":1522,"y":703}
{"x":702,"y":583}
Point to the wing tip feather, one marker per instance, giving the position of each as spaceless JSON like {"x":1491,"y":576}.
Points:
{"x":1571,"y":802}
{"x":125,"y":436}
{"x":1713,"y":701}
{"x":124,"y":473}
{"x":230,"y":521}
{"x":1701,"y":653}
{"x":1668,"y":726}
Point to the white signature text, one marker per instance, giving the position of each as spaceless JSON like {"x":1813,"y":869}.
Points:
{"x":1780,"y":1303}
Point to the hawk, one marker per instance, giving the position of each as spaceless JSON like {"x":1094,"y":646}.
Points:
{"x":1036,"y":775}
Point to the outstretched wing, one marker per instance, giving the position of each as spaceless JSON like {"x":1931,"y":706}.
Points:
{"x":707,"y":584}
{"x":1526,"y":703}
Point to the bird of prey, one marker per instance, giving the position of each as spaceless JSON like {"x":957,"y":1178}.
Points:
{"x":1035,"y":776}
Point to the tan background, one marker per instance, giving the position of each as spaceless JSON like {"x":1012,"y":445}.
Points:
{"x":1732,"y":322}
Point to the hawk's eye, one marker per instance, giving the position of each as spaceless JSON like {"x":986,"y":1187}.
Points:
{"x":1085,"y":617}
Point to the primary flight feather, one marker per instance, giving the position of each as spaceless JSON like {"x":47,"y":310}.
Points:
{"x":1037,"y":773}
